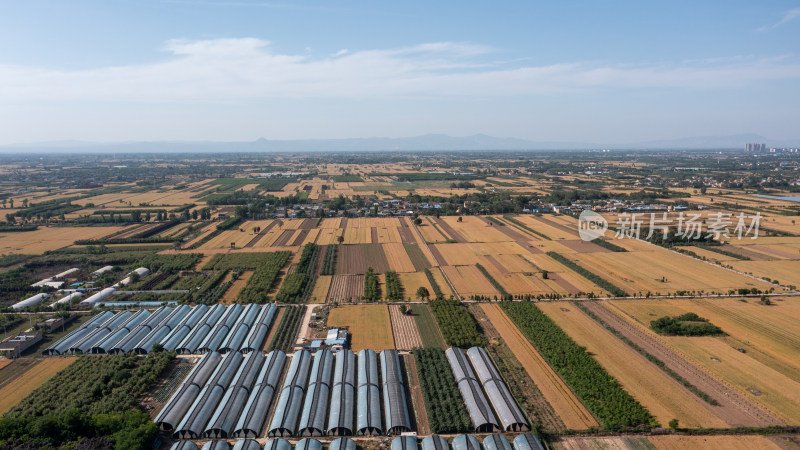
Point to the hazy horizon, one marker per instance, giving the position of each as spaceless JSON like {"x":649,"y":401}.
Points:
{"x":209,"y":70}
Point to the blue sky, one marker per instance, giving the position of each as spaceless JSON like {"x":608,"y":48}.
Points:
{"x":603,"y":72}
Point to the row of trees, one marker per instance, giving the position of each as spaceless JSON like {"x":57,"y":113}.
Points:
{"x":394,"y":290}
{"x":298,"y":285}
{"x":596,"y":388}
{"x":263,"y":278}
{"x":446,"y":410}
{"x":458,"y":326}
{"x":372,"y":292}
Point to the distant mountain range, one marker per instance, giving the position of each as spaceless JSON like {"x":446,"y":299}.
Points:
{"x":428,"y":142}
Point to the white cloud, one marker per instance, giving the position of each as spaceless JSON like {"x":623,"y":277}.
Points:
{"x":232,"y":70}
{"x":788,"y":16}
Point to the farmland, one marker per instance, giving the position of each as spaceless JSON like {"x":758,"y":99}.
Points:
{"x":28,"y":381}
{"x":418,"y":252}
{"x":404,"y":328}
{"x":663,"y":397}
{"x":369,"y":325}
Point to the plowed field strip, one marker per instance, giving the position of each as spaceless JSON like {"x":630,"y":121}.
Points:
{"x":346,"y":287}
{"x":283,"y":238}
{"x":300,"y":237}
{"x":417,"y":400}
{"x":260,"y":235}
{"x":373,"y":232}
{"x":406,"y":235}
{"x":496,"y":264}
{"x":449,"y":230}
{"x":561,"y":398}
{"x":733,"y":408}
{"x":404,"y":329}
{"x":508,"y":231}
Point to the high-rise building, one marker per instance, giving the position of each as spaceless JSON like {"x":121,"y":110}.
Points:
{"x":754,"y":148}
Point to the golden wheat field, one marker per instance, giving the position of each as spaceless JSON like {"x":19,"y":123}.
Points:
{"x":762,"y":368}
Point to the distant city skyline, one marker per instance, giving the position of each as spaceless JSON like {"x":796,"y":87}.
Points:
{"x":195,"y":70}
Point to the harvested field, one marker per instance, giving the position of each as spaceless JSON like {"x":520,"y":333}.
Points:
{"x":468,"y":281}
{"x":320,"y":292}
{"x":784,"y":271}
{"x":429,"y":331}
{"x":712,"y":442}
{"x":346,"y":288}
{"x":605,"y":443}
{"x":49,"y":238}
{"x":413,"y":281}
{"x":430,"y":233}
{"x":770,"y":334}
{"x":439,"y":278}
{"x":404,"y":329}
{"x":230,"y":295}
{"x":643,"y":271}
{"x":369,"y":325}
{"x":398,"y":259}
{"x":5,"y":362}
{"x":444,"y":226}
{"x":733,"y":408}
{"x":564,"y":402}
{"x":27,"y":382}
{"x":264,"y":231}
{"x":664,"y":397}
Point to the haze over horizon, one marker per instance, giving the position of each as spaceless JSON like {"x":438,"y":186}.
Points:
{"x":197,"y":70}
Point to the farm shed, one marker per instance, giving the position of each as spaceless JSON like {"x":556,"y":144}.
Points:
{"x":254,"y":414}
{"x":315,"y":406}
{"x":508,"y":412}
{"x":368,"y":419}
{"x":162,"y":329}
{"x":228,"y":411}
{"x":62,"y":345}
{"x":85,"y":345}
{"x":247,"y":444}
{"x":466,"y":442}
{"x":308,"y":444}
{"x":196,"y":336}
{"x":435,"y":442}
{"x":30,"y":301}
{"x":404,"y":443}
{"x":342,"y":443}
{"x":496,"y":442}
{"x":13,"y":346}
{"x":284,"y":421}
{"x":180,"y":332}
{"x":394,"y":394}
{"x":527,"y":442}
{"x":278,"y":444}
{"x":480,"y":413}
{"x":98,"y":297}
{"x":180,"y":402}
{"x":107,"y":343}
{"x":195,"y":420}
{"x":259,"y":330}
{"x":68,"y":298}
{"x":340,"y":422}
